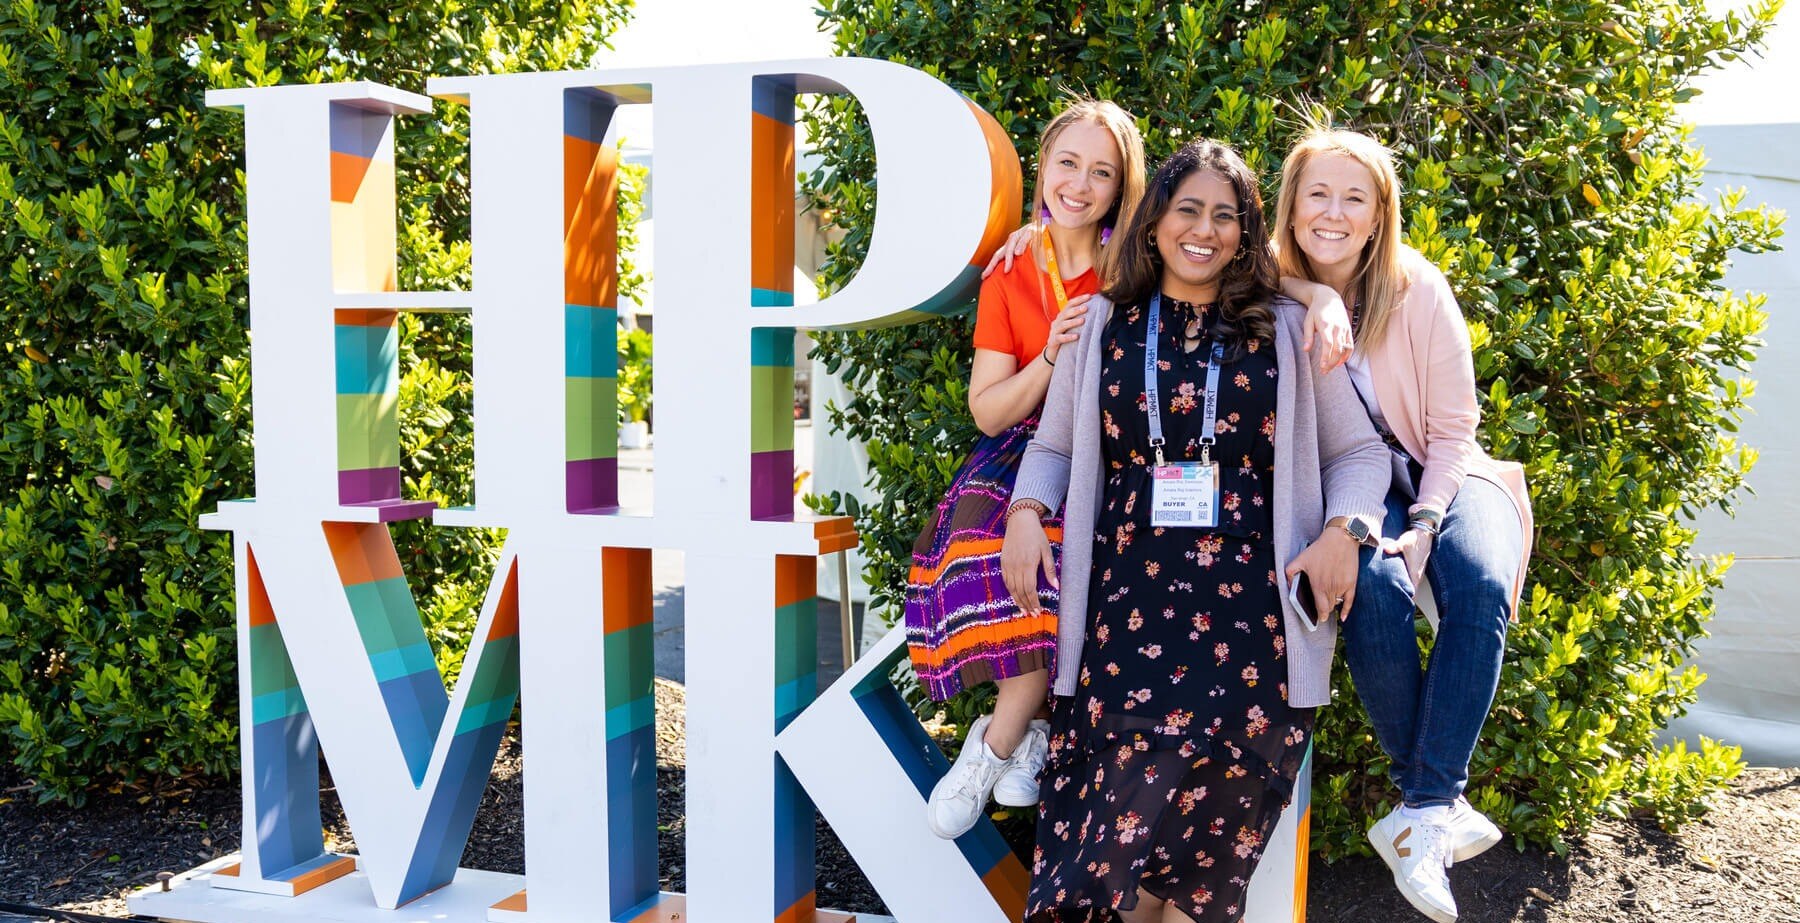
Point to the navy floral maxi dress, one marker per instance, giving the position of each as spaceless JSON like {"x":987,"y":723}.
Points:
{"x":1170,"y":765}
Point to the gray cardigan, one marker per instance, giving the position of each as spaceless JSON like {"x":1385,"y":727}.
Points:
{"x":1328,"y":463}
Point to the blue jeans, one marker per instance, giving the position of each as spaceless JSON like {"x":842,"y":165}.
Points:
{"x":1429,"y":720}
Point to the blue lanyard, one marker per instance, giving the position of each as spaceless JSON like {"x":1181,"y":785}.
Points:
{"x":1210,"y":422}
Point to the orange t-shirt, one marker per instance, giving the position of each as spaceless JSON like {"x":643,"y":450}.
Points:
{"x":1016,"y":307}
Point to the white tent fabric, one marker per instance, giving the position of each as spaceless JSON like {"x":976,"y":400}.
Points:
{"x":1751,"y":698}
{"x":1752,"y":695}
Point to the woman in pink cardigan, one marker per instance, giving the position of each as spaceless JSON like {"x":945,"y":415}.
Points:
{"x":1454,"y":515}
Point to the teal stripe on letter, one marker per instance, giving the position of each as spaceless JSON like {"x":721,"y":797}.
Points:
{"x":403,"y":661}
{"x":590,"y":342}
{"x":769,"y":298}
{"x":772,"y":346}
{"x":623,"y":719}
{"x":477,"y":715}
{"x":790,"y":698}
{"x":368,"y":359}
{"x":277,"y":705}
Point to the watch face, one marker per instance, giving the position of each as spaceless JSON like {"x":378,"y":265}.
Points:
{"x":1358,"y":530}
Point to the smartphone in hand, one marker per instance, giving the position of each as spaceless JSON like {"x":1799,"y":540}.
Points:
{"x":1301,"y":596}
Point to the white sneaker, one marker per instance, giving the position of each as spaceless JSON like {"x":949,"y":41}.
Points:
{"x":1018,"y":785}
{"x":1471,"y":833}
{"x":1417,"y":850}
{"x":960,"y":796}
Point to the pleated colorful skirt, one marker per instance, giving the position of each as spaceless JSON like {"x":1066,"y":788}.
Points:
{"x":962,"y":627}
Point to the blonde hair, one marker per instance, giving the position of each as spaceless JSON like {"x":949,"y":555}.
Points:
{"x":1123,"y":128}
{"x":1380,"y":275}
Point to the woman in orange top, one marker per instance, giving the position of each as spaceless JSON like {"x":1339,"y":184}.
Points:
{"x":962,"y":626}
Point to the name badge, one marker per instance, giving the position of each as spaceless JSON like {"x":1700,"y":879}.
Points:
{"x":1185,"y":495}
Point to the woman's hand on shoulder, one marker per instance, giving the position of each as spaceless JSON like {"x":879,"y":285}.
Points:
{"x":1065,"y":328}
{"x":1015,"y":247}
{"x":1328,"y":327}
{"x":1327,"y":321}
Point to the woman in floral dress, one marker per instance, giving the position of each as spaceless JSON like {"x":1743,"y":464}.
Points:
{"x":1190,"y":685}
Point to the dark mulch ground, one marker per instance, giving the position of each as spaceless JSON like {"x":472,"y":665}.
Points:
{"x":1739,"y":864}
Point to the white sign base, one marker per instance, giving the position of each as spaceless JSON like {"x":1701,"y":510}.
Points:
{"x":191,"y":898}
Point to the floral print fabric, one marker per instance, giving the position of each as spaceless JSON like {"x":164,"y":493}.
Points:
{"x":1170,"y":765}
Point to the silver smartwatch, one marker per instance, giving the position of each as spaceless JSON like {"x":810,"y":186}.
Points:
{"x":1359,"y":533}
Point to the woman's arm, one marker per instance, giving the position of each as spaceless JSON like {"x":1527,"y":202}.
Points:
{"x":1044,"y":470}
{"x":1001,"y":393}
{"x":1354,"y":473}
{"x":1044,"y":475}
{"x":1353,"y":462}
{"x":1327,"y":320}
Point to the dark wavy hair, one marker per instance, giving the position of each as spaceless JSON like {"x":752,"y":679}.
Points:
{"x":1247,"y":283}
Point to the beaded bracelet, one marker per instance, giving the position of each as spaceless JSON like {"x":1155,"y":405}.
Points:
{"x":1027,"y":504}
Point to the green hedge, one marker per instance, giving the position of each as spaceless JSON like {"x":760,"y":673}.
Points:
{"x":124,"y":378}
{"x":1548,"y":173}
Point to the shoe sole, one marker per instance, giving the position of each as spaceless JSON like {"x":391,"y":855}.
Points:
{"x":931,"y":819}
{"x":1386,"y":851}
{"x":931,"y":822}
{"x":940,"y":833}
{"x":1031,"y":802}
{"x":1478,"y":847}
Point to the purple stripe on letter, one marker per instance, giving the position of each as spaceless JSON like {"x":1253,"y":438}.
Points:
{"x":592,"y":484}
{"x":400,"y":510}
{"x":771,"y":484}
{"x":360,"y":485}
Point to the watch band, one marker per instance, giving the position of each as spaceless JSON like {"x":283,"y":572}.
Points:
{"x":1424,"y":525}
{"x":1428,"y":514}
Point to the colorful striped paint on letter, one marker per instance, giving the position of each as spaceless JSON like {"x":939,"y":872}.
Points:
{"x":590,"y":303}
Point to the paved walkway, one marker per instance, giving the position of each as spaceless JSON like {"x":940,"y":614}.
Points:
{"x":636,"y":473}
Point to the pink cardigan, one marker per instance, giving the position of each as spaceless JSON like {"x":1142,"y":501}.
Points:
{"x":1424,"y":374}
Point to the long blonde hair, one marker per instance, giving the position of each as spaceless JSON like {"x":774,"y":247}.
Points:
{"x":1123,"y":128}
{"x":1380,"y":275}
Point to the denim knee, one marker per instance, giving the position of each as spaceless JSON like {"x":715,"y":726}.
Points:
{"x":1384,"y":584}
{"x":1472,"y":596}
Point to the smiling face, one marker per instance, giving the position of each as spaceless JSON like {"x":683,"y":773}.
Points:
{"x":1335,"y":212}
{"x":1198,"y":236}
{"x":1081,"y":174}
